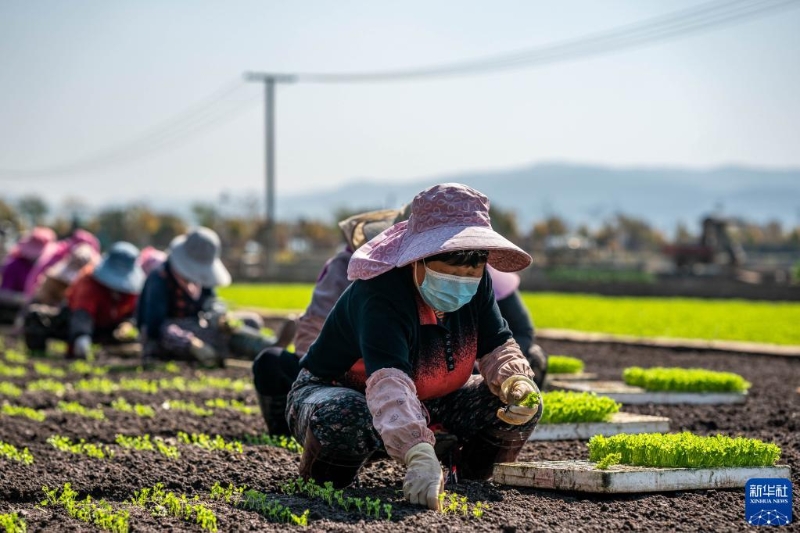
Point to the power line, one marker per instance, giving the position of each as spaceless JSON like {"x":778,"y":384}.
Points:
{"x":218,"y":107}
{"x":693,"y":20}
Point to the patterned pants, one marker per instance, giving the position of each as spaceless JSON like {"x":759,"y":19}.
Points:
{"x":340,"y":420}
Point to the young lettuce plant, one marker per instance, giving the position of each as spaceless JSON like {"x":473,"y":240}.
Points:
{"x":12,"y":523}
{"x":683,"y":450}
{"x":684,"y":380}
{"x":100,"y":513}
{"x":10,"y":452}
{"x":18,"y":410}
{"x":563,"y":364}
{"x":575,"y":407}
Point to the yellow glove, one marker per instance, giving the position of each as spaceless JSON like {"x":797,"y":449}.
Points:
{"x":512,"y":392}
{"x":424,"y":481}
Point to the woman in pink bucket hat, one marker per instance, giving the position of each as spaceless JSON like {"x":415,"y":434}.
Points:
{"x":395,"y":356}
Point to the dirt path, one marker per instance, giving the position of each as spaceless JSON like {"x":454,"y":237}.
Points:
{"x":772,"y":413}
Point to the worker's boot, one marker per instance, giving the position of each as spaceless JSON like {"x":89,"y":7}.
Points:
{"x":273,"y":410}
{"x":340,"y":471}
{"x":483,"y":451}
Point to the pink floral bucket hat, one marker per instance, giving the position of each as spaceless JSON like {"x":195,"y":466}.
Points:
{"x":444,"y":218}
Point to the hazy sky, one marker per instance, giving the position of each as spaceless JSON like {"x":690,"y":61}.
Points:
{"x":80,"y":77}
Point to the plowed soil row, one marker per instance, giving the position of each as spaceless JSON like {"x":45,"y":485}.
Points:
{"x":772,"y":413}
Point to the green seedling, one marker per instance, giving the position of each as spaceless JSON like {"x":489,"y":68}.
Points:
{"x":531,"y":400}
{"x":7,"y":371}
{"x":16,"y":357}
{"x":190,"y":407}
{"x":80,"y":410}
{"x":47,"y":385}
{"x":231,"y":494}
{"x":12,"y":523}
{"x":563,"y":364}
{"x":235,"y":405}
{"x":272,"y":509}
{"x":165,"y":503}
{"x":100,"y":513}
{"x":82,"y":367}
{"x":57,"y":347}
{"x":142,"y":411}
{"x":145,"y":386}
{"x":205,"y":441}
{"x":684,"y":450}
{"x":10,"y":452}
{"x":609,"y":460}
{"x":27,"y":412}
{"x":95,"y":451}
{"x":9,"y":389}
{"x":452,"y":503}
{"x":96,"y":384}
{"x":43,"y":369}
{"x":576,"y":407}
{"x":684,"y":380}
{"x":279,"y":441}
{"x":144,"y":443}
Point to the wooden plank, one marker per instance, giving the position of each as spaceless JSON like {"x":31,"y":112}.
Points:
{"x":619,"y":423}
{"x":625,"y":394}
{"x":582,"y":476}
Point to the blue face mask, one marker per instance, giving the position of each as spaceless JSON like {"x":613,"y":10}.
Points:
{"x":446,"y":292}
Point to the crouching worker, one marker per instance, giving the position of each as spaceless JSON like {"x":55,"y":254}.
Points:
{"x":179,"y":316}
{"x":275,"y":369}
{"x":100,"y":306}
{"x":396,"y":353}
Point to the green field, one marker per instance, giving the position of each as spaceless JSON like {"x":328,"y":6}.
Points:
{"x":772,"y":322}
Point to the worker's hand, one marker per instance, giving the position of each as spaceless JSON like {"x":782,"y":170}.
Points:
{"x":512,"y":392}
{"x":82,"y":346}
{"x":202,"y":352}
{"x":424,"y":480}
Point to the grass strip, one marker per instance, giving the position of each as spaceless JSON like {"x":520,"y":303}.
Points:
{"x":563,"y":407}
{"x":564,"y":364}
{"x":684,"y":450}
{"x":684,"y":380}
{"x":99,"y":513}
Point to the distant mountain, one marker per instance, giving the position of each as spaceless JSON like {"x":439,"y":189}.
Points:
{"x":588,"y":194}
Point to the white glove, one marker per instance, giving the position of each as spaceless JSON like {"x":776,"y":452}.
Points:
{"x":82,"y":346}
{"x":512,"y":392}
{"x":424,"y":481}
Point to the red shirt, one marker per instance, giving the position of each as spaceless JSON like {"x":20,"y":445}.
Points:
{"x":106,"y":307}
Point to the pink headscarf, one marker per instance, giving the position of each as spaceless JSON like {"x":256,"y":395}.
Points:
{"x":55,"y":252}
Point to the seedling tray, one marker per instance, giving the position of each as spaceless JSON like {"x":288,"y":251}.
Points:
{"x":619,"y":423}
{"x":625,"y":394}
{"x":582,"y":476}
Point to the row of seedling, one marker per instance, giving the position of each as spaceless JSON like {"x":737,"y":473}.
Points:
{"x":369,"y":507}
{"x":146,"y":386}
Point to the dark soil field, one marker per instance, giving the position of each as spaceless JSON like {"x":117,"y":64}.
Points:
{"x":772,"y":413}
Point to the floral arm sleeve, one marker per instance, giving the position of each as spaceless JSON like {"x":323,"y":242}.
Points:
{"x":397,"y":414}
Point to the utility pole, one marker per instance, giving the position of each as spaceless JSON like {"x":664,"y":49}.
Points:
{"x":269,"y":81}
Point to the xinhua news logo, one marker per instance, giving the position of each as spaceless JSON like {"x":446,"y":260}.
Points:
{"x":768,"y":502}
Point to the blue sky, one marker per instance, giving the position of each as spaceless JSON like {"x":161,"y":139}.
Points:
{"x":79,"y":77}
